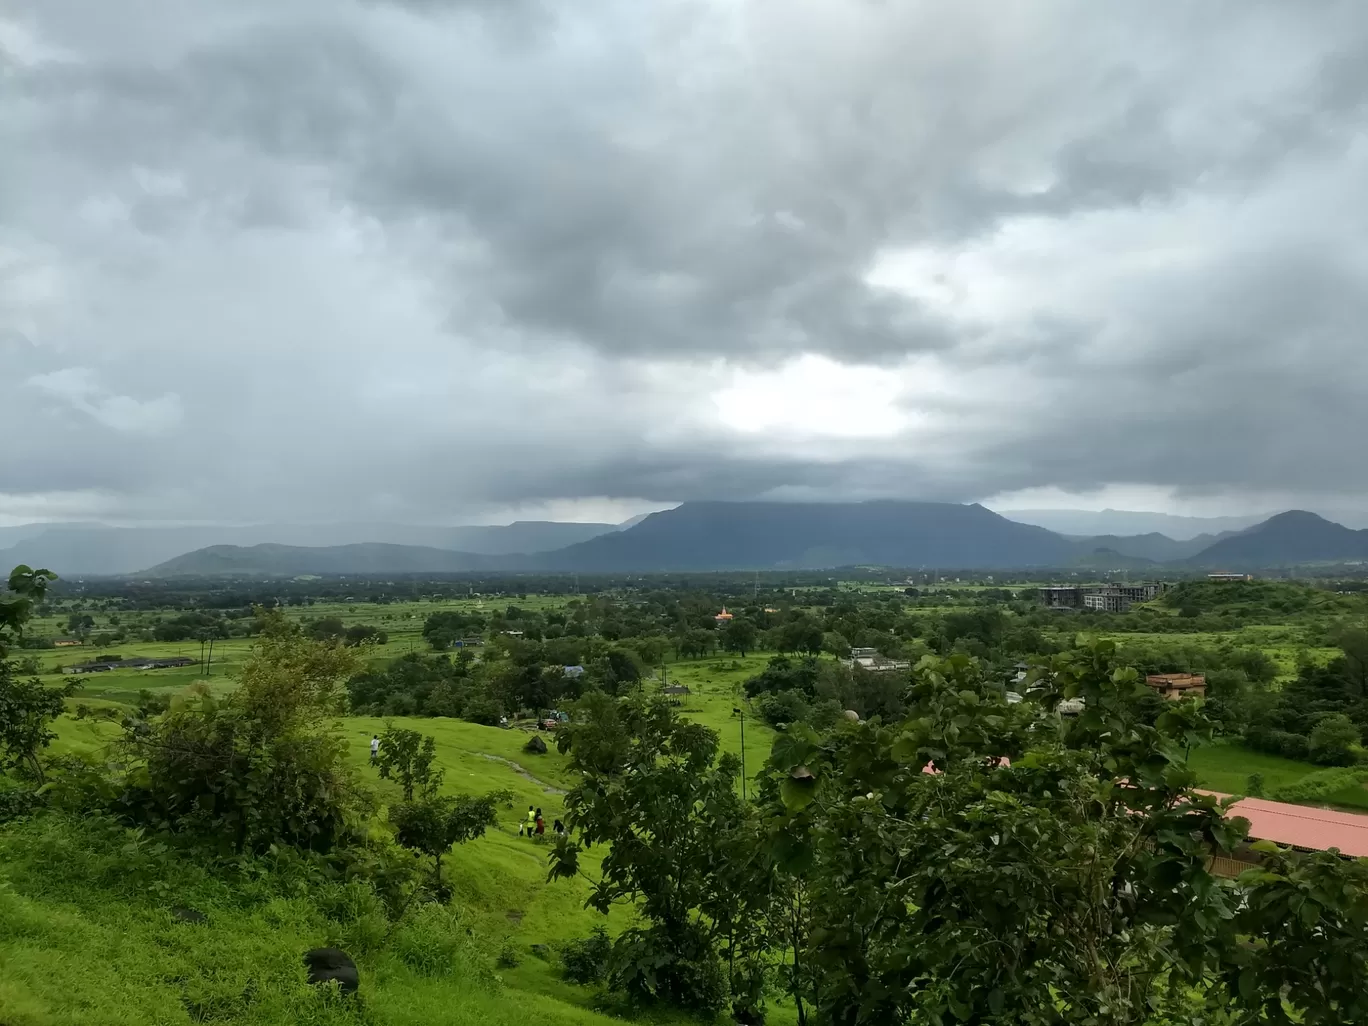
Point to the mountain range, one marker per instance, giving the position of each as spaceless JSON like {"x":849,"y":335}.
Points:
{"x":697,"y":536}
{"x":1126,"y":522}
{"x":100,"y":550}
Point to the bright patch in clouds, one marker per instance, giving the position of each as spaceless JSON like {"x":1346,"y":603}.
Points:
{"x":814,"y":397}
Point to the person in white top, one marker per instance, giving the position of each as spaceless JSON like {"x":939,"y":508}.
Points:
{"x":375,"y":750}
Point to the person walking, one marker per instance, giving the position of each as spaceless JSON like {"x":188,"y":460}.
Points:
{"x":540,"y":824}
{"x":375,"y":749}
{"x":530,"y":823}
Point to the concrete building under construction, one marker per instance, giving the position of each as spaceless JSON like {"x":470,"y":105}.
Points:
{"x":1105,"y":598}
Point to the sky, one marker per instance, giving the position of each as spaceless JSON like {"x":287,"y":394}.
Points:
{"x":473,"y":260}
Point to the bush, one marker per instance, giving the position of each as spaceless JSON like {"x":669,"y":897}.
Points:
{"x":1254,"y":786}
{"x":433,"y":941}
{"x":18,"y":803}
{"x":586,"y":961}
{"x":261,"y":767}
{"x":484,"y":711}
{"x":1334,"y":741}
{"x":1321,"y":785}
{"x":782,"y":708}
{"x":1279,"y":742}
{"x":658,"y":965}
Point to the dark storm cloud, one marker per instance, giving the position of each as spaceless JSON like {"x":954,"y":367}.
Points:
{"x":507,"y":252}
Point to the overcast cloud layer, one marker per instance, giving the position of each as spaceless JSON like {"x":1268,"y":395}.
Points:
{"x":462,"y":259}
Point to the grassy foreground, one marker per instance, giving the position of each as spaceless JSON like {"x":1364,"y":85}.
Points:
{"x":89,"y":935}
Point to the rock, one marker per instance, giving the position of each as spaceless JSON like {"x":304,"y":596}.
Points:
{"x":326,"y":964}
{"x":535,"y":746}
{"x":189,"y":915}
{"x":851,"y":715}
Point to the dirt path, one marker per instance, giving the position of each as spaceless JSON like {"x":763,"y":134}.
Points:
{"x":519,"y":770}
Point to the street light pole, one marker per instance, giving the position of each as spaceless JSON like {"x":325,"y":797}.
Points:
{"x":742,"y":707}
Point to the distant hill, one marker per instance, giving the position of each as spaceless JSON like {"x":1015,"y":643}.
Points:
{"x":777,"y":535}
{"x":295,"y":560}
{"x":1288,"y":539}
{"x":1152,"y":547}
{"x":97,"y":549}
{"x":1129,"y":523}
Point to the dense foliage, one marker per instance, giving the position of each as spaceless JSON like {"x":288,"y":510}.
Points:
{"x":972,"y":861}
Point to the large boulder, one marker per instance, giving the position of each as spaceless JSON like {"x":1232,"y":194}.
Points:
{"x":535,"y":746}
{"x":326,"y":964}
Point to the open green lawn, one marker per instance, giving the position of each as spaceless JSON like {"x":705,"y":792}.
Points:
{"x":1227,"y":768}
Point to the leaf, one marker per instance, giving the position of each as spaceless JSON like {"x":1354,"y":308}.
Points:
{"x":1309,"y":913}
{"x":798,"y":789}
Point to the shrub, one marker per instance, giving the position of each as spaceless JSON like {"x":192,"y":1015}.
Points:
{"x":17,"y":803}
{"x":586,"y":961}
{"x":261,"y":767}
{"x":484,"y":711}
{"x":1334,"y":741}
{"x":784,"y":707}
{"x":433,"y":941}
{"x":1254,"y":786}
{"x":1321,"y":785}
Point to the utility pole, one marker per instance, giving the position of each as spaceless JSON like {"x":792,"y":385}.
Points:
{"x":742,"y":707}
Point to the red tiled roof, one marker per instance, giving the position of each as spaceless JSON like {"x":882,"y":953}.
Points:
{"x":1295,"y":826}
{"x":1301,"y":826}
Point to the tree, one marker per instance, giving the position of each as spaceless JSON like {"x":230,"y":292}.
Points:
{"x":739,"y":636}
{"x":658,"y":791}
{"x":433,"y":825}
{"x":408,"y":757}
{"x":1353,"y":642}
{"x":328,"y":628}
{"x":1334,"y":740}
{"x":80,"y":623}
{"x":1077,"y":890}
{"x":801,"y":635}
{"x":27,"y":708}
{"x":265,"y":764}
{"x":695,"y":644}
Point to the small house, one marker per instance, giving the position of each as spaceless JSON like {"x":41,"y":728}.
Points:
{"x":1174,"y":686}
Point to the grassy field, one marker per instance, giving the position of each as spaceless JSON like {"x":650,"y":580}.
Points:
{"x":499,"y":884}
{"x":87,"y":909}
{"x":1227,"y":768}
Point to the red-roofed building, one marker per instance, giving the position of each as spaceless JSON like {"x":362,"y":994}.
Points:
{"x":1304,"y":827}
{"x":1177,"y":685}
{"x":1290,"y":826}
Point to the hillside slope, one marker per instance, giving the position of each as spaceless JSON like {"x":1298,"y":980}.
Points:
{"x":774,"y":535}
{"x":295,"y":560}
{"x":96,"y":549}
{"x":1152,"y":547}
{"x":1287,"y":539}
